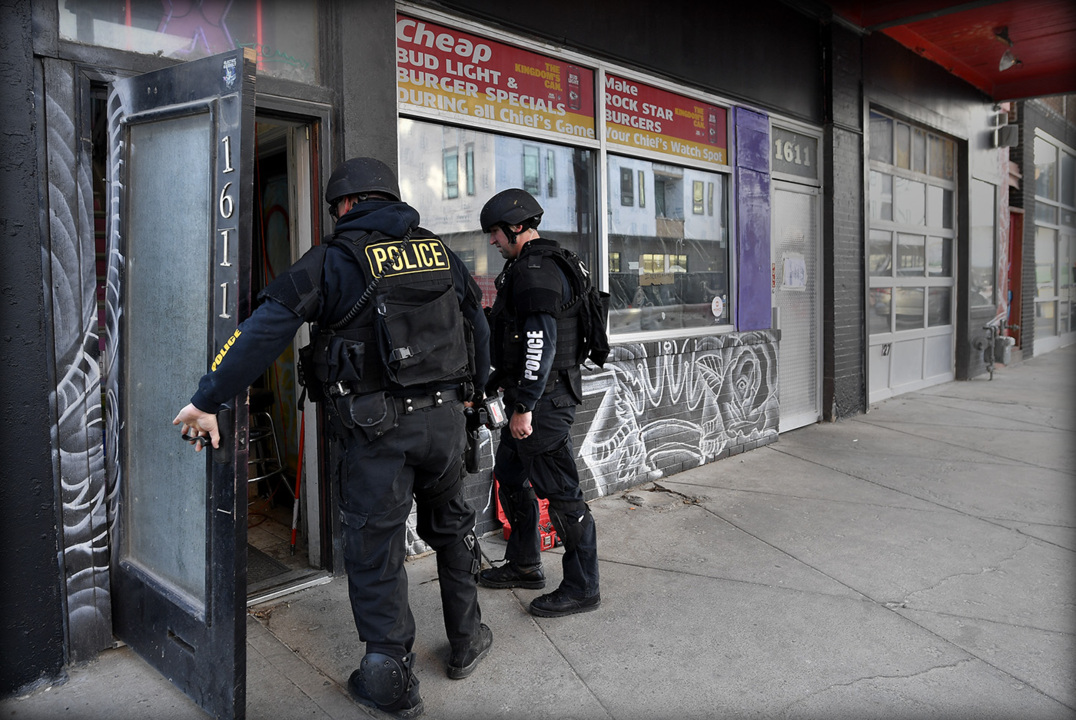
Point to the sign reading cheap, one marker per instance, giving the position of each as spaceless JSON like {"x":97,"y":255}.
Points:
{"x":453,"y":72}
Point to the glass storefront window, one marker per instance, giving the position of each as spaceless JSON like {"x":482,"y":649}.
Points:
{"x":1045,"y":213}
{"x":1055,"y":239}
{"x":881,"y":138}
{"x":983,"y":234}
{"x":911,"y":236}
{"x":919,"y":151}
{"x":674,"y":254}
{"x":282,"y":32}
{"x":1045,"y":282}
{"x":1045,"y":320}
{"x":1045,"y":169}
{"x":1067,"y":178}
{"x":1066,"y":280}
{"x":490,"y":164}
{"x":904,"y":146}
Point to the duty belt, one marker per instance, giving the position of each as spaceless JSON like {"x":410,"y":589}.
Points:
{"x":405,"y":403}
{"x":410,"y":403}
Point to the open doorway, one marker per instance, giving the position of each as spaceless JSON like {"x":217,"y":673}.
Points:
{"x":286,"y":543}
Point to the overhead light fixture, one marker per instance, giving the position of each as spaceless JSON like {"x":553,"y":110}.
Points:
{"x":1008,"y":58}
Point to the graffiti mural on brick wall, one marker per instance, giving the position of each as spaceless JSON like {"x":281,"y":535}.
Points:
{"x":685,"y":405}
{"x":79,"y":453}
{"x":659,"y":408}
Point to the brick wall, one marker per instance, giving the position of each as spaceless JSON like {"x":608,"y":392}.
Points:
{"x":843,"y":371}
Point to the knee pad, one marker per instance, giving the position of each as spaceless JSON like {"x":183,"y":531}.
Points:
{"x":515,"y":501}
{"x":387,"y":679}
{"x":569,"y":520}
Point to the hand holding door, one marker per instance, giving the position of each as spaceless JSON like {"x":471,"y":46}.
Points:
{"x":196,"y":425}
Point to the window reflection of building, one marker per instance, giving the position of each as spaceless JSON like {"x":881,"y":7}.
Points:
{"x":560,"y":177}
{"x":670,"y":265}
{"x":452,"y":173}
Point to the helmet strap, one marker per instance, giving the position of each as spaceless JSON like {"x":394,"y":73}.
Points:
{"x":509,"y":234}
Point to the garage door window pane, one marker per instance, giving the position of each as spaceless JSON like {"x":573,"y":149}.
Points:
{"x":908,"y":308}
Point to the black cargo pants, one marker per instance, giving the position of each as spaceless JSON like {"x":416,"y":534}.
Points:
{"x":546,"y":462}
{"x":378,"y":479}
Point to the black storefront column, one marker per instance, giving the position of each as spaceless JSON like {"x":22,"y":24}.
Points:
{"x":31,"y":613}
{"x":844,"y":384}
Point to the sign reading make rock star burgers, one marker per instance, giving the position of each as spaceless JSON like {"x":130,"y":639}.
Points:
{"x":643,"y":117}
{"x":440,"y":68}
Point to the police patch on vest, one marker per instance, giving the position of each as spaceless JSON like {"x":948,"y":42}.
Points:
{"x":393,"y":258}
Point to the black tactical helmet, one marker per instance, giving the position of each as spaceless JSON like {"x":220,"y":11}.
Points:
{"x":510,"y":207}
{"x":361,"y":175}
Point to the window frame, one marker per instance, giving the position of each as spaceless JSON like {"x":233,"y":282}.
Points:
{"x":894,"y":281}
{"x":602,"y":147}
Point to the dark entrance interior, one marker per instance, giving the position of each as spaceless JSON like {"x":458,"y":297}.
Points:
{"x":278,"y":548}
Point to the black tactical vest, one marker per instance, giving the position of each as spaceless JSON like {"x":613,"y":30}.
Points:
{"x":533,"y":283}
{"x":409,"y":334}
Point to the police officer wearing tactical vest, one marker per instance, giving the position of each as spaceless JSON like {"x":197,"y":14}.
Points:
{"x":399,"y":345}
{"x":536,"y":356}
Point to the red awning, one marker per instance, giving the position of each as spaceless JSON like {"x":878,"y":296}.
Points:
{"x":969,"y":39}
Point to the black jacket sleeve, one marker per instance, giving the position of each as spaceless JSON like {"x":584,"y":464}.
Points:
{"x":257,"y":342}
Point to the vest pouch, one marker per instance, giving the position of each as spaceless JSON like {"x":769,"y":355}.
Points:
{"x":315,"y":390}
{"x":330,"y":359}
{"x":421,"y":336}
{"x":374,"y":414}
{"x":345,"y":360}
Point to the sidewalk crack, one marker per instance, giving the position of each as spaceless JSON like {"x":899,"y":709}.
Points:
{"x":871,"y":678}
{"x":997,"y":567}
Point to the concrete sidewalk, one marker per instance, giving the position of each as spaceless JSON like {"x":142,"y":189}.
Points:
{"x":917,"y":561}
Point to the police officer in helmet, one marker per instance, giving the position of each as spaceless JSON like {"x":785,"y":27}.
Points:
{"x":400,"y":344}
{"x":536,"y":356}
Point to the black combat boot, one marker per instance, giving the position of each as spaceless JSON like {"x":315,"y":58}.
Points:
{"x":511,"y":575}
{"x":559,"y":603}
{"x":463,"y":662}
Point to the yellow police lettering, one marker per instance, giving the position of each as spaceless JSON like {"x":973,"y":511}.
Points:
{"x":395,"y":256}
{"x":418,"y":256}
{"x":408,"y":263}
{"x":224,"y":350}
{"x":379,"y":257}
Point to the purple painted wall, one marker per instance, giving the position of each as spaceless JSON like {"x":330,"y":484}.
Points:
{"x":752,"y":138}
